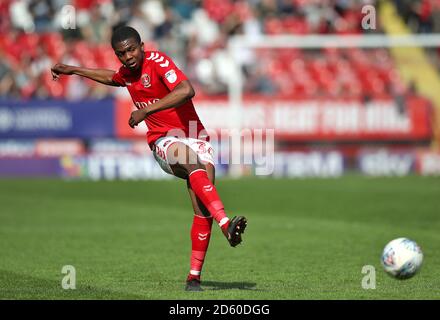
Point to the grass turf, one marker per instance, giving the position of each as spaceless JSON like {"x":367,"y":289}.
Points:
{"x":306,"y":239}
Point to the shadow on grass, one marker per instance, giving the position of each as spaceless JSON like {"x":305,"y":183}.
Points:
{"x":215,"y":285}
{"x":22,"y":286}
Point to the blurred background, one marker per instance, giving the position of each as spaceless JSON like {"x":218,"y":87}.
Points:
{"x":335,"y":107}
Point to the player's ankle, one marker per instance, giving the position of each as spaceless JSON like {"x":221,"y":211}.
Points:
{"x":224,"y":228}
{"x":193,"y":277}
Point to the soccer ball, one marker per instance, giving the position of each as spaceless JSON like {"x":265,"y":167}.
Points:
{"x":402,"y":258}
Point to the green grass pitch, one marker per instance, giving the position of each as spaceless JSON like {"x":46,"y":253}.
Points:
{"x":306,"y":239}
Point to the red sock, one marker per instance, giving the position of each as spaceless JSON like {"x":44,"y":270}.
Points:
{"x":200,"y":235}
{"x":207,"y":194}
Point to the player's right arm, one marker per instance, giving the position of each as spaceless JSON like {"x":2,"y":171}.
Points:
{"x":99,"y":75}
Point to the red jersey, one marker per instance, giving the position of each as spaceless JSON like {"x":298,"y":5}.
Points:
{"x":158,"y":77}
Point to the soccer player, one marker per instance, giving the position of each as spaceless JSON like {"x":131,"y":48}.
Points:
{"x":162,"y":95}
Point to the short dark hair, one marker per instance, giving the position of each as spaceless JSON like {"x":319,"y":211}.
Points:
{"x":123,"y":33}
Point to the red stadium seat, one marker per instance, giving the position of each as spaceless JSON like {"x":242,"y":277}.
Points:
{"x":54,"y":45}
{"x":56,"y":89}
{"x":293,"y":25}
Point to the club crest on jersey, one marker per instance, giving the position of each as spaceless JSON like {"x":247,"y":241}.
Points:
{"x":145,"y":79}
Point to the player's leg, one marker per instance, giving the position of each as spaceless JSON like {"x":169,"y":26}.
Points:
{"x":176,"y":157}
{"x":200,"y":236}
{"x":186,"y":164}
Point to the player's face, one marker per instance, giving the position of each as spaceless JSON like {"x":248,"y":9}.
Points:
{"x":130,"y":53}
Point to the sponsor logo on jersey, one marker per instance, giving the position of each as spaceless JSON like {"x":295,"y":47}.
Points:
{"x":144,"y":104}
{"x":171,"y":76}
{"x":145,"y":79}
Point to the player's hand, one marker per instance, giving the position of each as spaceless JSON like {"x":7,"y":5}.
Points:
{"x":136,"y":117}
{"x":60,"y":68}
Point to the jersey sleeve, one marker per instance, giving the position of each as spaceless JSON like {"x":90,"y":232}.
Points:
{"x":167,"y":70}
{"x":117,"y":78}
